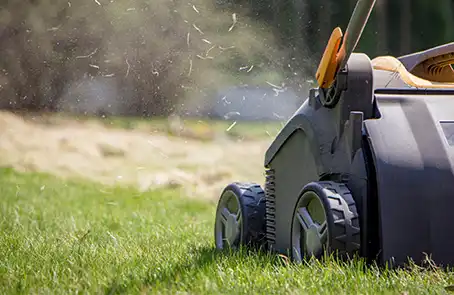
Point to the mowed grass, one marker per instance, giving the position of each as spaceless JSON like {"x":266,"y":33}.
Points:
{"x":77,"y":237}
{"x":196,"y":128}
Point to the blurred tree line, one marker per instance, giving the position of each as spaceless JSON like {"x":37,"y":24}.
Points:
{"x":394,"y":28}
{"x":147,"y":56}
{"x":143,"y":57}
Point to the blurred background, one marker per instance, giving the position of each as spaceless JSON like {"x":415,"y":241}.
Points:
{"x":156,"y":57}
{"x":224,"y":60}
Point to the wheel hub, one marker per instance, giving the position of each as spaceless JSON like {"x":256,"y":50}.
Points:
{"x":228,"y":225}
{"x":231,"y":228}
{"x":310,"y":230}
{"x":312,"y":243}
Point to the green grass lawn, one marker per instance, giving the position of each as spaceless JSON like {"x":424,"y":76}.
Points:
{"x":77,"y":237}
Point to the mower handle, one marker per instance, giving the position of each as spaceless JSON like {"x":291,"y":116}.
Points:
{"x":340,"y":47}
{"x":354,"y":30}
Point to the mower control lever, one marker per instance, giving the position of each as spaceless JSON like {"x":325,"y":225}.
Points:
{"x":338,"y":51}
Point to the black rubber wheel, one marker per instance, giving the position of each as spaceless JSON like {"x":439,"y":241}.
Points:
{"x":240,"y":217}
{"x":325,"y":220}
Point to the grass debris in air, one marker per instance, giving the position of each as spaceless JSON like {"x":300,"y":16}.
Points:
{"x":66,"y":237}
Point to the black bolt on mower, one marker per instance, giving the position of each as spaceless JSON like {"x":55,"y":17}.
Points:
{"x":365,"y":167}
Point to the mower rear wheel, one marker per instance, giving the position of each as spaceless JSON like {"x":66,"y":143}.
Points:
{"x":325,"y":220}
{"x":240,"y":216}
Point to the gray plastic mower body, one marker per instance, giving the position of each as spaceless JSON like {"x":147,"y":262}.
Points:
{"x":391,"y":144}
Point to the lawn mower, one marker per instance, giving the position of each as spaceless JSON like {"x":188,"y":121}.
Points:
{"x":364,"y":168}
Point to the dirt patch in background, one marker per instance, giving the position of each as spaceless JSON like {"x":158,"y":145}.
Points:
{"x":132,"y":157}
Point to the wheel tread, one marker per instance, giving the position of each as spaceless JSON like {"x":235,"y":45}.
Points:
{"x":252,"y":197}
{"x":254,"y":200}
{"x":346,"y":231}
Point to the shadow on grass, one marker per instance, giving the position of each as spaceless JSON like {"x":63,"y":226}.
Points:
{"x":200,"y":258}
{"x":205,"y":257}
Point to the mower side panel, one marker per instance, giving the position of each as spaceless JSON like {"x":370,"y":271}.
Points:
{"x":301,"y":120}
{"x":291,"y":174}
{"x":318,"y":143}
{"x":297,"y":156}
{"x":415,"y":179}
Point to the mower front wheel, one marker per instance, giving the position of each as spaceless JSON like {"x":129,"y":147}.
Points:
{"x":240,"y":216}
{"x":325,"y":220}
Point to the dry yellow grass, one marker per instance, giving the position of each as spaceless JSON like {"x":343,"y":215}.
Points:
{"x":87,"y":149}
